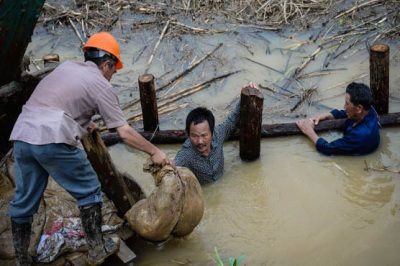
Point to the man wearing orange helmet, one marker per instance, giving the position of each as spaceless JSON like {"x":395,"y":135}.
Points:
{"x":47,"y":142}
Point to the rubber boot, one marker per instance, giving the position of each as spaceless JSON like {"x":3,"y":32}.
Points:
{"x":98,"y":249}
{"x":21,"y":238}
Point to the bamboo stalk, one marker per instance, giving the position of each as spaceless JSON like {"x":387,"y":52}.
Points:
{"x":356,"y":7}
{"x":261,"y":64}
{"x":156,"y":46}
{"x":186,"y":71}
{"x":76,"y":31}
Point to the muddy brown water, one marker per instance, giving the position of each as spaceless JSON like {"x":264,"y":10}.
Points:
{"x":293,"y":206}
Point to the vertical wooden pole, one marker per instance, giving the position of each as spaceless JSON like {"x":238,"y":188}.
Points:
{"x":148,"y":101}
{"x":251,"y":107}
{"x":379,"y":76}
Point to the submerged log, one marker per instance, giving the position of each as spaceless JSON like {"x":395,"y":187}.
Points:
{"x":267,"y":131}
{"x":112,"y":182}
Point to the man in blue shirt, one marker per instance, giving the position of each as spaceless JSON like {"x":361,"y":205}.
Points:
{"x":361,"y":133}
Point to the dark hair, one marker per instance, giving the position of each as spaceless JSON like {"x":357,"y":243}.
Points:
{"x":360,"y":94}
{"x":199,"y":115}
{"x":98,"y":57}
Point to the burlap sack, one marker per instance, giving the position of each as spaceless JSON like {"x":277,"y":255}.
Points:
{"x":155,"y":217}
{"x":175,"y":207}
{"x":193,"y":204}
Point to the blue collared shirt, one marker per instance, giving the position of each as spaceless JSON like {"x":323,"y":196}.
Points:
{"x":358,"y":139}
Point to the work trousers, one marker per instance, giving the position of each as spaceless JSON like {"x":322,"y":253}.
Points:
{"x":69,"y":167}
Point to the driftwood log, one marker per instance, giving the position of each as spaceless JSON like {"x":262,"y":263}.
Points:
{"x":267,"y":131}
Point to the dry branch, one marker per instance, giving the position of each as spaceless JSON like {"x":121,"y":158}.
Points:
{"x":186,"y":71}
{"x":156,"y":46}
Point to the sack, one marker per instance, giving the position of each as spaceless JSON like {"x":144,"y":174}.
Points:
{"x":193,"y":203}
{"x":175,"y":207}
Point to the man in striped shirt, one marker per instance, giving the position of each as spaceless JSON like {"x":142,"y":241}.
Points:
{"x":203,"y":151}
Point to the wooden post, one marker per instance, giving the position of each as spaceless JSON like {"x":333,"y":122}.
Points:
{"x":148,"y":101}
{"x":251,"y":107}
{"x":112,"y":182}
{"x":379,"y":76}
{"x":51,"y":60}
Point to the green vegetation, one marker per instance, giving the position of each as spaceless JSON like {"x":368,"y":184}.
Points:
{"x":231,"y":260}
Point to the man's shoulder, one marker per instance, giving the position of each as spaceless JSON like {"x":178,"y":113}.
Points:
{"x":187,"y":144}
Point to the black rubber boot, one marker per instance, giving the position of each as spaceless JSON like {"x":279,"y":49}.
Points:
{"x":98,"y":249}
{"x":21,"y":238}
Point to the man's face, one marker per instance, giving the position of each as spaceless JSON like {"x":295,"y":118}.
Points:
{"x":352,"y":110}
{"x":200,"y":136}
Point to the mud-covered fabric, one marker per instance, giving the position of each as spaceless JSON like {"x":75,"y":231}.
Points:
{"x":209,"y":168}
{"x":56,"y":228}
{"x":175,"y":207}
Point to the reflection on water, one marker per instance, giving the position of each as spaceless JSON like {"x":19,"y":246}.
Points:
{"x":291,"y":207}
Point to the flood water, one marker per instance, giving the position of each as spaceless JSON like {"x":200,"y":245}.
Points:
{"x":293,"y":206}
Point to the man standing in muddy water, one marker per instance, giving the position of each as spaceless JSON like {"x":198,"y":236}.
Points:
{"x":361,"y":133}
{"x":203,"y":151}
{"x":47,"y":142}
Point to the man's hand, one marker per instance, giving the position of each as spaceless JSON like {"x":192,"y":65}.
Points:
{"x":135,"y":140}
{"x":252,"y":85}
{"x":318,"y":118}
{"x":307,"y":127}
{"x":160,"y":158}
{"x":92,"y":126}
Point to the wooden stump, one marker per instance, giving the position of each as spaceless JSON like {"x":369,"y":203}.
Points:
{"x":148,"y":101}
{"x":379,"y":77}
{"x":251,"y":106}
{"x":51,"y":60}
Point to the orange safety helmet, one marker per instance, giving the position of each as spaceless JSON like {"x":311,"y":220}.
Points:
{"x":106,"y":42}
